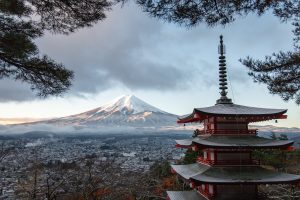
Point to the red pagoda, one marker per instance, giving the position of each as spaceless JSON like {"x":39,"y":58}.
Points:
{"x":225,"y":169}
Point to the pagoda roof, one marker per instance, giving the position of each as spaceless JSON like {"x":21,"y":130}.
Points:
{"x":184,"y":195}
{"x":184,"y":142}
{"x":221,"y":141}
{"x":233,"y":110}
{"x":241,"y":142}
{"x":232,"y":175}
{"x":190,"y":170}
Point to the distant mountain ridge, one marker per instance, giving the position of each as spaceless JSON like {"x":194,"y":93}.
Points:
{"x":127,"y":110}
{"x":125,"y":114}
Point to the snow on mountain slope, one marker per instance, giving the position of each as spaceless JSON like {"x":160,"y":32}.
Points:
{"x":123,"y":111}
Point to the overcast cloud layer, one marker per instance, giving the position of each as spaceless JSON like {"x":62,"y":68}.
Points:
{"x":131,"y":50}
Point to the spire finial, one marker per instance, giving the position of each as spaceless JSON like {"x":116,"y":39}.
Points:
{"x":222,"y":75}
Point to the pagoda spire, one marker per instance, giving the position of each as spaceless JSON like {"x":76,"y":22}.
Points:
{"x":222,"y":75}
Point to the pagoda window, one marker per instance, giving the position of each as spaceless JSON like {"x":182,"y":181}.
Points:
{"x":205,"y":154}
{"x":211,"y":189}
{"x":212,"y":155}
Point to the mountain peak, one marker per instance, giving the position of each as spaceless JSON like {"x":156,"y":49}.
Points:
{"x":129,"y":104}
{"x":124,"y":98}
{"x":126,"y":110}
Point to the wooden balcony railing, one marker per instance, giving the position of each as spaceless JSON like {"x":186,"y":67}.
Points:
{"x":200,"y":159}
{"x":229,"y":131}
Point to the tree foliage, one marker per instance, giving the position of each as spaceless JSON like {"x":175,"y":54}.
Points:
{"x":280,"y":71}
{"x":211,"y":12}
{"x":275,"y":158}
{"x":22,"y":21}
{"x":190,"y":156}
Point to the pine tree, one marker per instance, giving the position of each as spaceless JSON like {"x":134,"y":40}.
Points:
{"x":280,"y":72}
{"x":22,"y":21}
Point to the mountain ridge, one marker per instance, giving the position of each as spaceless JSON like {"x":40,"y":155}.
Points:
{"x":126,"y":113}
{"x":127,"y":110}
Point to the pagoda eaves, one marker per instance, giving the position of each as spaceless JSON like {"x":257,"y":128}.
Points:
{"x":250,"y":114}
{"x":229,"y":142}
{"x":200,"y":173}
{"x":184,"y":195}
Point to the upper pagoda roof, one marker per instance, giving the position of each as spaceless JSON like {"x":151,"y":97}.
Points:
{"x":224,"y":105}
{"x":231,"y":110}
{"x":239,"y":110}
{"x":232,"y":175}
{"x":222,"y":141}
{"x":184,"y":195}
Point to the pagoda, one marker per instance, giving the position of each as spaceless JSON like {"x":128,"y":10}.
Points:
{"x":225,"y":169}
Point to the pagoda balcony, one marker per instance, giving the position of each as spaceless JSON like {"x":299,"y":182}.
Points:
{"x":230,"y":131}
{"x":202,"y":160}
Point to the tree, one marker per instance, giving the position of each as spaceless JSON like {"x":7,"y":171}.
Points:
{"x":4,"y":151}
{"x":277,"y":158}
{"x":280,"y":72}
{"x":282,"y":192}
{"x":22,"y":21}
{"x":190,"y":156}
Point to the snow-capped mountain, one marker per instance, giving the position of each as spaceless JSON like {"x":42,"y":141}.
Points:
{"x":123,"y":111}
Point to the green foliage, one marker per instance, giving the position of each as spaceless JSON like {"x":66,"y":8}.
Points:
{"x":196,"y":133}
{"x":190,"y":157}
{"x":20,"y":59}
{"x":193,"y":12}
{"x":275,"y":158}
{"x":280,"y":72}
{"x":22,"y":21}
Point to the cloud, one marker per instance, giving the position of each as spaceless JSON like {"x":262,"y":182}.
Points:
{"x":123,"y":51}
{"x":14,"y":90}
{"x":131,"y":50}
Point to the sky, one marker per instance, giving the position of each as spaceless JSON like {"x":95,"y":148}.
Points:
{"x":171,"y":67}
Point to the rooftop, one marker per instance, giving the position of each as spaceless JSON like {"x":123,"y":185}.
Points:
{"x":232,"y":110}
{"x":254,"y":174}
{"x":232,"y":175}
{"x":222,"y":141}
{"x":184,"y":195}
